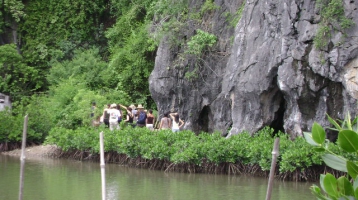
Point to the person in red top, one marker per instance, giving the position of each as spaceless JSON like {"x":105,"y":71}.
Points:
{"x":150,"y":120}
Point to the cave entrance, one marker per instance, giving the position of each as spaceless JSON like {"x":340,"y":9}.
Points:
{"x":204,"y":119}
{"x":277,"y":123}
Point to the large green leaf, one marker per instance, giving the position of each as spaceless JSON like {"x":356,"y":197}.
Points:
{"x":356,"y":124}
{"x":321,"y":178}
{"x":345,"y":187}
{"x":319,"y":149}
{"x":335,"y":162}
{"x":348,"y":140}
{"x":330,"y":185}
{"x":355,"y":184}
{"x":352,"y":169}
{"x":318,"y":133}
{"x":317,"y":192}
{"x":356,"y":193}
{"x":309,"y":139}
{"x":349,"y":123}
{"x":334,"y":123}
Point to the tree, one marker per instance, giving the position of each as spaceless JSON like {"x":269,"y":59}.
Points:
{"x":16,"y":78}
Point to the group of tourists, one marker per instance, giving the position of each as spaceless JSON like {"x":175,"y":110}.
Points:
{"x":138,"y":117}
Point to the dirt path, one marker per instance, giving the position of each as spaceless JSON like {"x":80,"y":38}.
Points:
{"x":35,"y":151}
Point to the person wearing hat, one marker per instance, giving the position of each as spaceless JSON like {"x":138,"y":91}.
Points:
{"x":142,"y":116}
{"x":134,"y":113}
{"x":114,"y":114}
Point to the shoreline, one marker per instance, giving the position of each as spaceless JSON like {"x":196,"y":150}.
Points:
{"x":50,"y":151}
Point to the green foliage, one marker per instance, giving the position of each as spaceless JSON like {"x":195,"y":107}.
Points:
{"x":208,"y":6}
{"x":192,"y":75}
{"x":70,"y":103}
{"x":15,"y":76}
{"x":52,"y":30}
{"x":16,"y":8}
{"x":345,"y":160}
{"x":185,"y":147}
{"x":297,"y":155}
{"x":169,"y":19}
{"x":11,"y":128}
{"x":83,"y":138}
{"x":332,"y":19}
{"x":200,"y":42}
{"x":40,"y":119}
{"x":86,"y":66}
{"x":133,"y":61}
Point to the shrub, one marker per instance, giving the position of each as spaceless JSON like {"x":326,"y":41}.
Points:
{"x":341,"y":188}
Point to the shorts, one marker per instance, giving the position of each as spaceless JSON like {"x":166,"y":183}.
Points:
{"x":140,"y":125}
{"x":150,"y":126}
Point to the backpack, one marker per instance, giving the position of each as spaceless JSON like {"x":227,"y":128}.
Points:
{"x":141,"y":118}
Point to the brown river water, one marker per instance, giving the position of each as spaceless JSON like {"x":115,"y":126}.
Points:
{"x":59,"y":179}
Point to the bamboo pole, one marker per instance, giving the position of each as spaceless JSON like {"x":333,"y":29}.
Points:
{"x":103,"y":174}
{"x":22,"y":158}
{"x":275,"y":153}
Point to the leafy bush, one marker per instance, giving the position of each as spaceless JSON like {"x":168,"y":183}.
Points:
{"x":12,"y":126}
{"x":200,"y":42}
{"x":185,"y":147}
{"x":341,"y":188}
{"x":297,"y":155}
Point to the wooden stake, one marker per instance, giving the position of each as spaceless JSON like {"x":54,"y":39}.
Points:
{"x":103,"y":174}
{"x":22,"y":158}
{"x":275,"y":154}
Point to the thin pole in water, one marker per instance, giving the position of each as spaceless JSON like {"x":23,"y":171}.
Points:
{"x":22,"y":158}
{"x":275,"y":154}
{"x":103,"y":174}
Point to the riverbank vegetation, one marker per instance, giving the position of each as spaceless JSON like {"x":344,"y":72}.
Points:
{"x":344,"y":187}
{"x":187,"y":152}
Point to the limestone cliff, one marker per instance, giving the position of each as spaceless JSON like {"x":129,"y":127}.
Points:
{"x":265,"y":71}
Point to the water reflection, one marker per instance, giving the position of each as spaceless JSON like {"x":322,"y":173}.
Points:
{"x":52,"y":179}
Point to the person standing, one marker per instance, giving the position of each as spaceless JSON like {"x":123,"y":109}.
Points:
{"x":150,"y":120}
{"x":134,"y":113}
{"x":129,"y":116}
{"x":114,"y":114}
{"x":120,"y":111}
{"x":142,"y":116}
{"x":165,"y":122}
{"x":177,"y":122}
{"x":106,"y":115}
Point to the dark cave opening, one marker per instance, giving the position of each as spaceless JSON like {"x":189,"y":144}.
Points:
{"x":277,"y":123}
{"x":203,"y":121}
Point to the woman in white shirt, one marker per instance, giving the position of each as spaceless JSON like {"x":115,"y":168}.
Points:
{"x":177,"y":122}
{"x":114,"y":114}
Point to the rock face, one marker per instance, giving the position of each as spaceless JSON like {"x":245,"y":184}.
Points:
{"x":270,"y":75}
